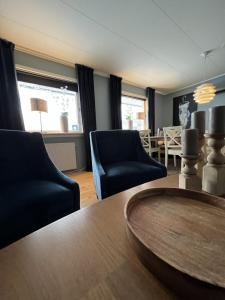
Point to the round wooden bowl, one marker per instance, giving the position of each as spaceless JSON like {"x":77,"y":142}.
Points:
{"x":180,"y":236}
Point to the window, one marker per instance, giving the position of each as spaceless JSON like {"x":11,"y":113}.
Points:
{"x":133,"y":113}
{"x":62,"y":101}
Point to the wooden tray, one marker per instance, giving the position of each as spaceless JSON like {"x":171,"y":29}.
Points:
{"x":180,"y":236}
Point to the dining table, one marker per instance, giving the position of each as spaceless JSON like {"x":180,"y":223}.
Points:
{"x":157,"y":138}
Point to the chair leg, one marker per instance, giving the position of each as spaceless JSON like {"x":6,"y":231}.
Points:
{"x":175,"y":161}
{"x":182,"y":164}
{"x":166,"y":159}
{"x":159,"y":156}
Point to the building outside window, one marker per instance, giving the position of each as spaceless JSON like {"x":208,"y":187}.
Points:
{"x":62,"y":101}
{"x":133,"y":113}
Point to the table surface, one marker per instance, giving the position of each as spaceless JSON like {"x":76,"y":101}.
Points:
{"x":85,"y":255}
{"x":156,"y":138}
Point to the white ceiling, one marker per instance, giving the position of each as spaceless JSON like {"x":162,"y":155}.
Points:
{"x":153,"y":43}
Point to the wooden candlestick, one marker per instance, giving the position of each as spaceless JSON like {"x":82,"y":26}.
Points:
{"x":201,"y":159}
{"x":213,"y":181}
{"x":198,"y":121}
{"x":216,"y":142}
{"x":217,"y":120}
{"x":188,"y":179}
{"x":189,"y":141}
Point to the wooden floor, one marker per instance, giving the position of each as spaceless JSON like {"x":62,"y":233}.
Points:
{"x":87,"y":189}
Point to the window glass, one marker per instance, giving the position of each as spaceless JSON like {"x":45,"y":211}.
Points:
{"x":63,"y":107}
{"x":133,"y":113}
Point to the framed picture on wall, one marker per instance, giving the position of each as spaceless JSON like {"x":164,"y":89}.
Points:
{"x":183,"y":106}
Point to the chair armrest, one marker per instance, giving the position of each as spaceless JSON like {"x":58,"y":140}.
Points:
{"x":98,"y":169}
{"x":100,"y":177}
{"x":52,"y":173}
{"x":145,"y":158}
{"x":46,"y":169}
{"x":99,"y":174}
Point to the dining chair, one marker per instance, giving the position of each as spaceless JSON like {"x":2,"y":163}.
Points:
{"x":145,"y":136}
{"x":160,"y":133}
{"x":172,"y":141}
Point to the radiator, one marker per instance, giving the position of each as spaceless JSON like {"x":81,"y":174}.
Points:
{"x":63,"y":155}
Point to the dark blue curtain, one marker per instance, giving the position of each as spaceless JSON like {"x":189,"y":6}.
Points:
{"x":150,"y":93}
{"x":115,"y":102}
{"x":87,"y":103}
{"x":10,"y":110}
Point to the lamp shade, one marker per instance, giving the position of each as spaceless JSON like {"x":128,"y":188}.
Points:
{"x":204,"y":93}
{"x":140,"y":115}
{"x":38,"y":104}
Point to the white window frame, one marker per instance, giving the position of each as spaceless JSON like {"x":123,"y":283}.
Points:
{"x":138,"y":97}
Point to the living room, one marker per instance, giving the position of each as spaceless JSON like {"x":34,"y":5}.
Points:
{"x":101,"y":103}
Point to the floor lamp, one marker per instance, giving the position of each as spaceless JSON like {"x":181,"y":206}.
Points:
{"x":141,"y":116}
{"x":39,"y":105}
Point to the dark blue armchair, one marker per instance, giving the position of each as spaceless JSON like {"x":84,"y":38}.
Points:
{"x":119,"y":162}
{"x":33,"y":192}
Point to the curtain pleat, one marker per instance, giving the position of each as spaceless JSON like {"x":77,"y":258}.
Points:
{"x":10,"y":109}
{"x":87,"y":103}
{"x":115,"y":102}
{"x":150,"y":93}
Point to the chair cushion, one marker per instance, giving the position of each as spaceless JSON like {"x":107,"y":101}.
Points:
{"x":27,"y":206}
{"x":175,"y":150}
{"x":124,"y":175}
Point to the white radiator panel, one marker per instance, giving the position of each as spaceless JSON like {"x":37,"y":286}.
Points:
{"x":63,"y":155}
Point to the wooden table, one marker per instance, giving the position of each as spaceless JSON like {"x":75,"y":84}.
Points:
{"x":85,"y":255}
{"x":157,"y":138}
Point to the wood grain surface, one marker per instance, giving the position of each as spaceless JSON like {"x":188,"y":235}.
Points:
{"x":185,"y":230}
{"x":85,"y":255}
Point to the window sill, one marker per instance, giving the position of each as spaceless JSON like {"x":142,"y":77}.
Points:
{"x":62,"y":134}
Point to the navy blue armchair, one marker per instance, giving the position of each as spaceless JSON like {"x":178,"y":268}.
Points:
{"x":120,"y":162}
{"x":33,"y":192}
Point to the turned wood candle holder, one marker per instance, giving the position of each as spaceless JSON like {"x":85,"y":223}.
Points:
{"x":188,"y":179}
{"x":201,"y":159}
{"x":213,"y":181}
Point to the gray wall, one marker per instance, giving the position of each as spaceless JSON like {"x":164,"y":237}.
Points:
{"x":34,"y":62}
{"x":159,"y":111}
{"x":168,"y":100}
{"x":133,"y":89}
{"x":102,"y":104}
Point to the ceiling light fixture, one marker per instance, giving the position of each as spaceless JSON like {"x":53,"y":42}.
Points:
{"x":206,"y":92}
